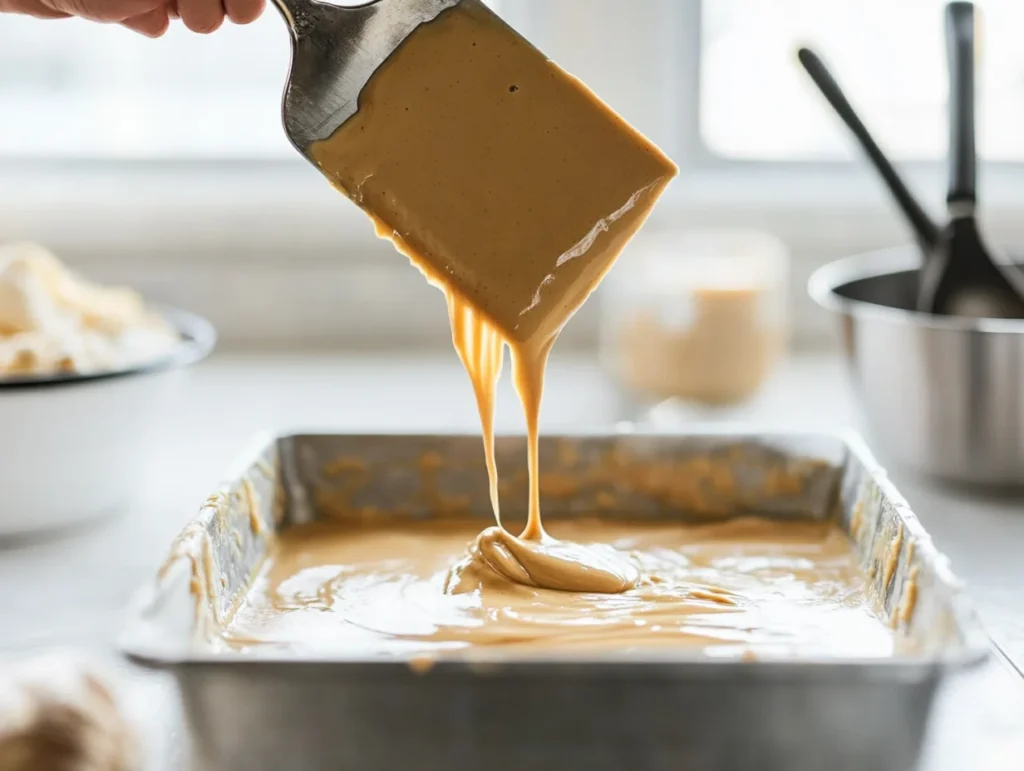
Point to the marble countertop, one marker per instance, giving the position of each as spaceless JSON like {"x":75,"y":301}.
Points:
{"x":80,"y":583}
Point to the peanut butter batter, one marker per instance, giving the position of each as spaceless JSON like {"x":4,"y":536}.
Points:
{"x":513,"y":189}
{"x":741,"y":589}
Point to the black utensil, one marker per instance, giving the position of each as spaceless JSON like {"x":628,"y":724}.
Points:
{"x":963,"y":278}
{"x":925,"y":229}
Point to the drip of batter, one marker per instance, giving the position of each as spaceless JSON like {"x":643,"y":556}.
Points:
{"x":513,"y":189}
{"x":533,"y":558}
{"x":481,"y":348}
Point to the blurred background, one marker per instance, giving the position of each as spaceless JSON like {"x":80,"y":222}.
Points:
{"x":163,"y":163}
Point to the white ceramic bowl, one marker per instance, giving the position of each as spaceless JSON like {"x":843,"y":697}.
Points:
{"x":75,"y":448}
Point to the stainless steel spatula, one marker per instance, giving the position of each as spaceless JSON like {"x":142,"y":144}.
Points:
{"x":335,"y":51}
{"x":500,"y":176}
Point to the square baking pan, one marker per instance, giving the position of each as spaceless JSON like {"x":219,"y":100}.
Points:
{"x":679,"y":711}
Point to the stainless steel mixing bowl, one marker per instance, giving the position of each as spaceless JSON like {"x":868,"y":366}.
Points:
{"x":942,"y":395}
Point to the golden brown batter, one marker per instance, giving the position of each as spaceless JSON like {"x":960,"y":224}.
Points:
{"x":743,"y":588}
{"x":513,"y":189}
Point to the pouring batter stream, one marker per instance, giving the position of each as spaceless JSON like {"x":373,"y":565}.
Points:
{"x":513,"y":189}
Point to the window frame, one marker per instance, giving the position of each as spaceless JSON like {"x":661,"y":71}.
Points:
{"x":706,"y":178}
{"x":176,"y":226}
{"x":189,"y":206}
{"x":765,"y":180}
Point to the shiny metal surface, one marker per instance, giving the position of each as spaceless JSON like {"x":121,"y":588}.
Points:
{"x":335,"y":51}
{"x":941,"y":395}
{"x":603,"y":714}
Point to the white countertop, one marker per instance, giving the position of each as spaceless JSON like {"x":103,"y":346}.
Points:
{"x":81,"y":583}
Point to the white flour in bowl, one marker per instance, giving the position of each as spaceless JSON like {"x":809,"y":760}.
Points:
{"x":55,"y":322}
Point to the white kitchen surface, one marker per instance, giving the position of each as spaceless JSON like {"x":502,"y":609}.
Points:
{"x":71,"y":592}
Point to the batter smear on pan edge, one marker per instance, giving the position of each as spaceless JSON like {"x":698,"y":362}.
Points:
{"x":513,"y":189}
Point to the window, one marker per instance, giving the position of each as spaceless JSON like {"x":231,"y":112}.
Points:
{"x":84,"y":90}
{"x":889,"y":56}
{"x":190,"y":191}
{"x":81,"y":90}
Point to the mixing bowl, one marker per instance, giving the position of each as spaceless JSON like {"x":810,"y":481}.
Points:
{"x":942,"y":395}
{"x":77,"y":447}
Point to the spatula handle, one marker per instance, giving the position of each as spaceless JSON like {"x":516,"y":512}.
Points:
{"x":299,"y":15}
{"x":962,"y":149}
{"x":926,"y":230}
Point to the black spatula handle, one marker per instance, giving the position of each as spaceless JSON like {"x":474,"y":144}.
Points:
{"x":924,"y":227}
{"x":962,"y":149}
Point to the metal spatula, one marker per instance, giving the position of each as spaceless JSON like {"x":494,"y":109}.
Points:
{"x":335,"y":51}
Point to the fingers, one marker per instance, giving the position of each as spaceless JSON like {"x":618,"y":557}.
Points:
{"x":104,"y":10}
{"x":37,"y":8}
{"x":148,"y":17}
{"x":202,"y":16}
{"x":152,"y":24}
{"x":244,"y":11}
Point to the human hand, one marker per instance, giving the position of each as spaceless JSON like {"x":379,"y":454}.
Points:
{"x":148,"y":17}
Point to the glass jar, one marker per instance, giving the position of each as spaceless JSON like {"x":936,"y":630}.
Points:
{"x":698,"y":315}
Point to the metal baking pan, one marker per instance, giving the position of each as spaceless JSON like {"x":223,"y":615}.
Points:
{"x":685,"y":712}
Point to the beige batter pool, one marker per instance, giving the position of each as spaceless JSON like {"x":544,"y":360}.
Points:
{"x":740,"y":589}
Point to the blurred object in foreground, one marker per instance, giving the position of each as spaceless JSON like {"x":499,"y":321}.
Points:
{"x":57,"y":714}
{"x":698,"y":315}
